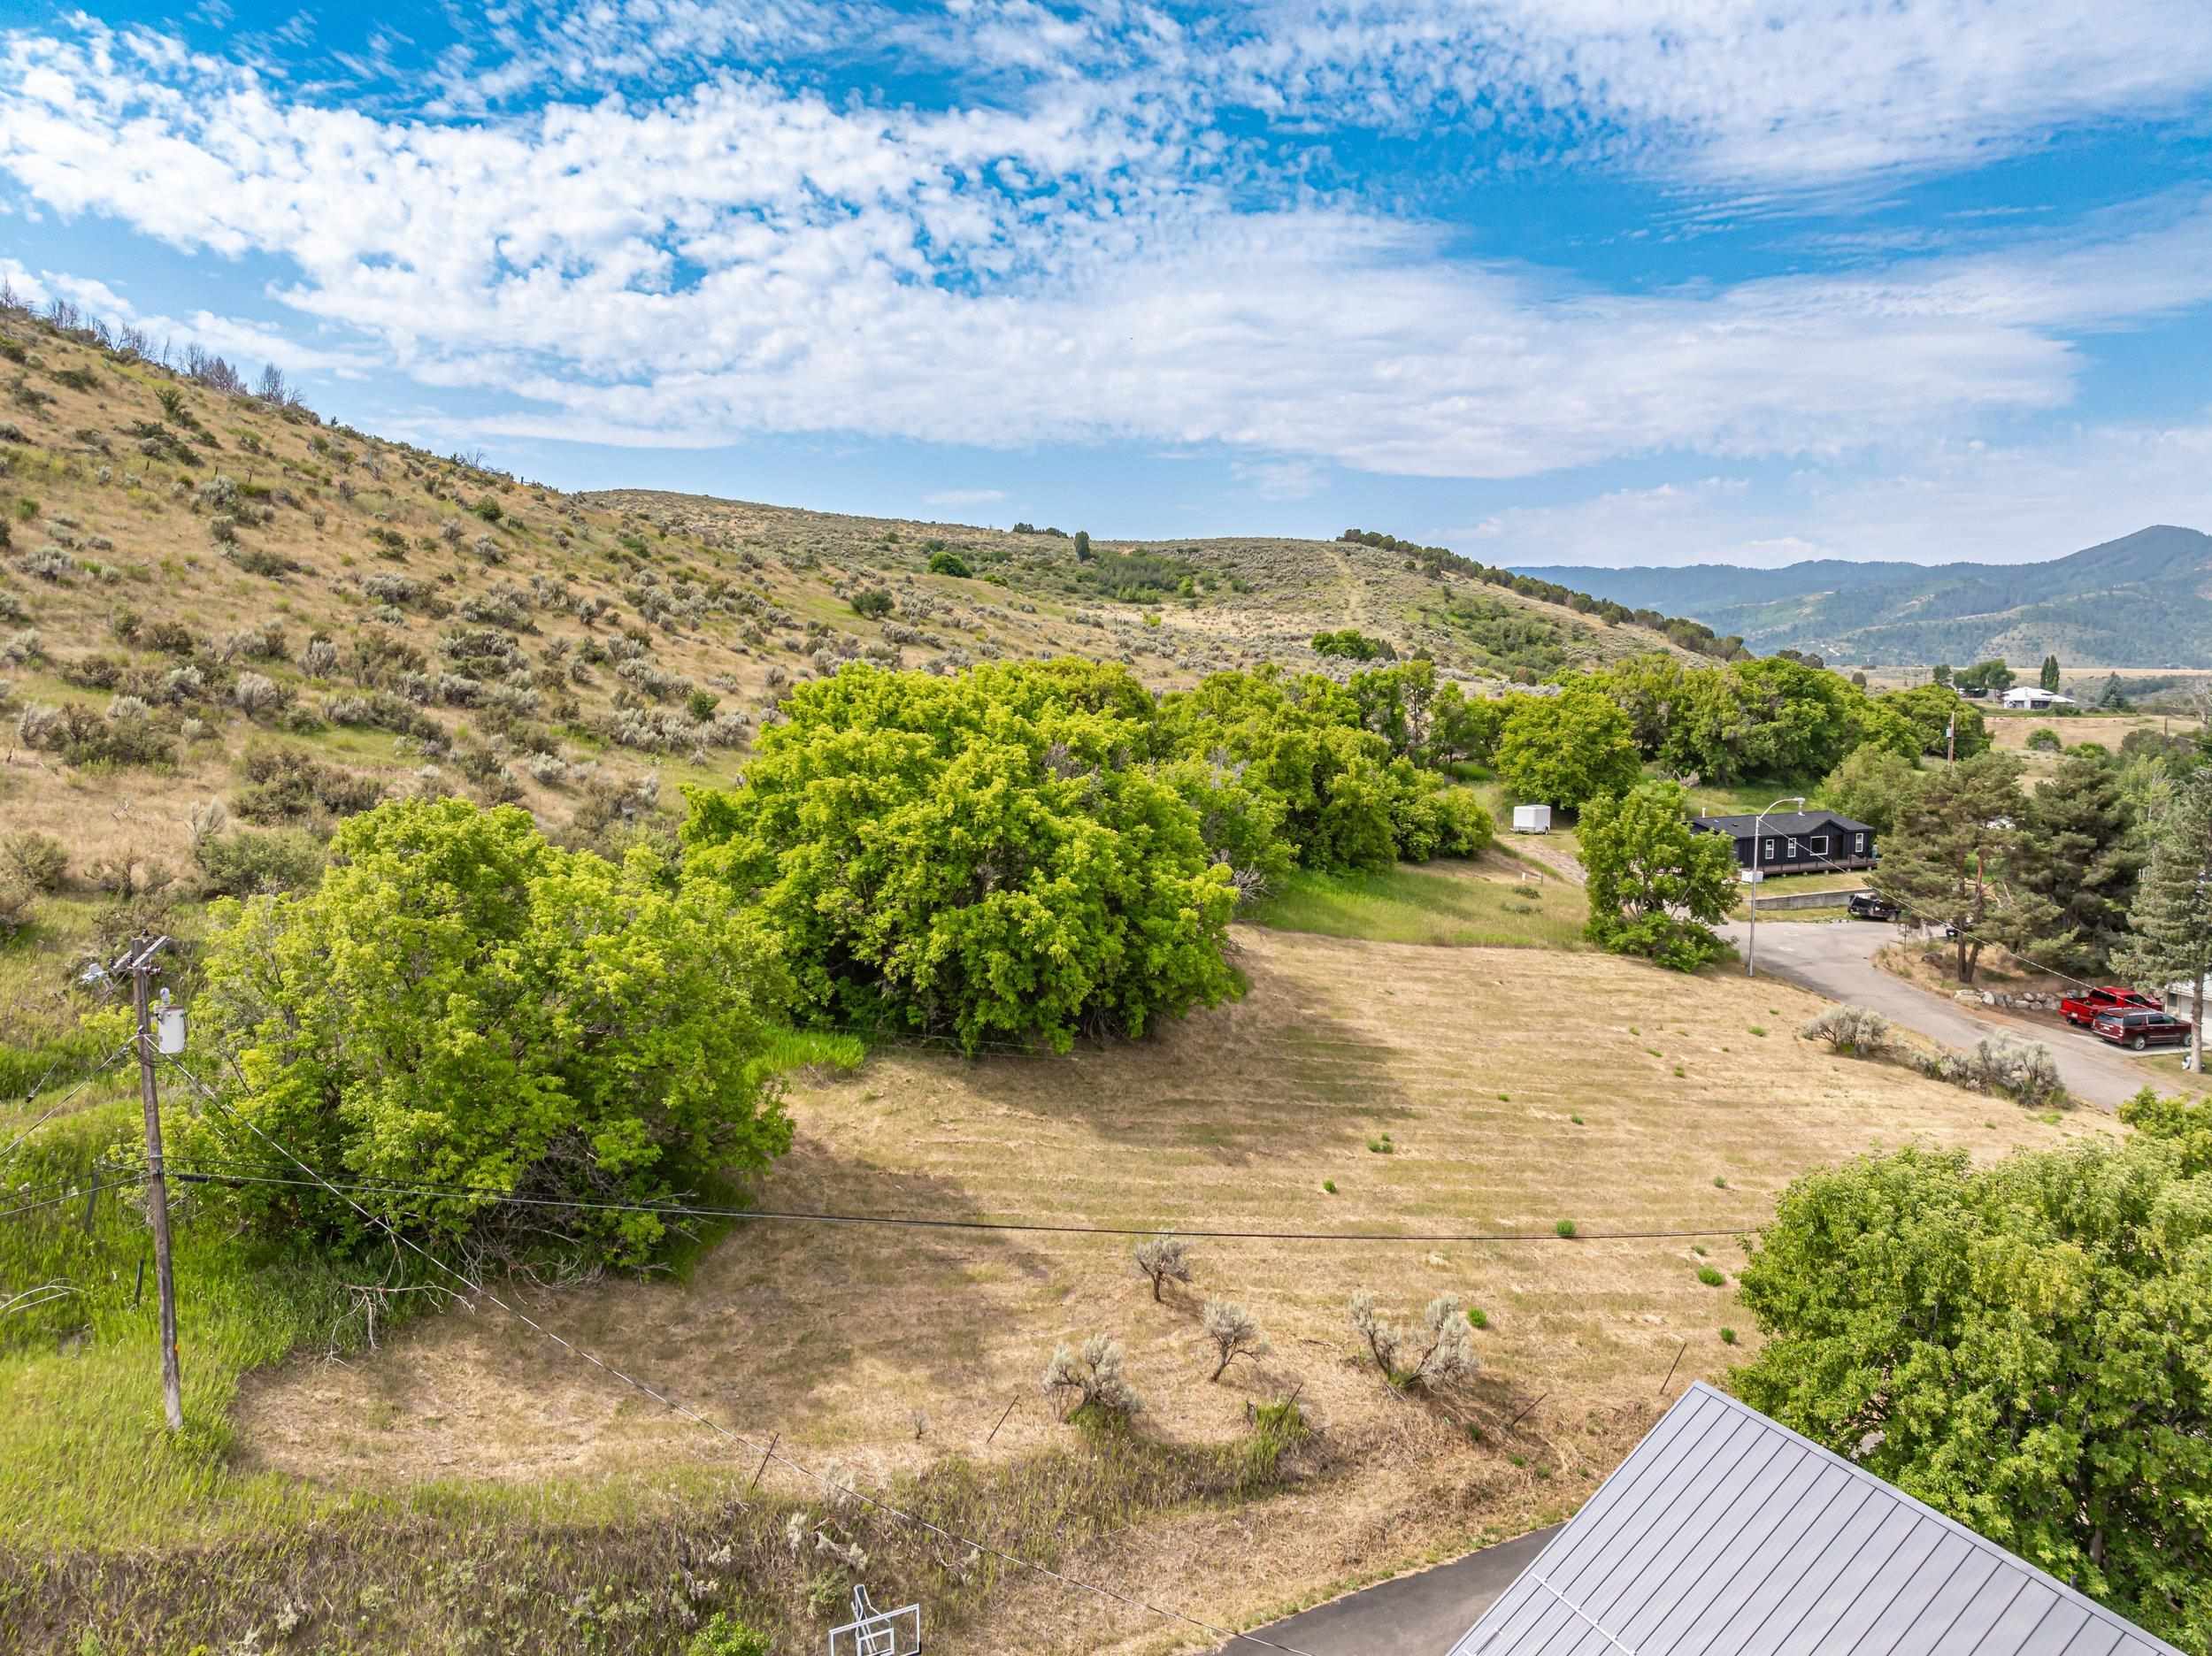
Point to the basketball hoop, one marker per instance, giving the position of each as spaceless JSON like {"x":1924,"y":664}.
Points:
{"x":873,"y":1632}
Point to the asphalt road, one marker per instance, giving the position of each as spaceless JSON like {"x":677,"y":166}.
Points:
{"x":1423,"y":1615}
{"x":1837,"y":960}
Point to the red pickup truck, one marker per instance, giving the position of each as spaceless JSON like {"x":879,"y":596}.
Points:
{"x":2084,"y":1010}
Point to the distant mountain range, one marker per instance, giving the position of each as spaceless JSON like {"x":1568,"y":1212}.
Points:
{"x":2142,"y":600}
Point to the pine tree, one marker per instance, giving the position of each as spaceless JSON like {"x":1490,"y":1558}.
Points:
{"x":2084,"y":853}
{"x":1951,"y":859}
{"x":2171,"y":919}
{"x":2050,"y":674}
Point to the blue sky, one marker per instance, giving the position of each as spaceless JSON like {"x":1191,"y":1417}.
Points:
{"x":1544,"y":281}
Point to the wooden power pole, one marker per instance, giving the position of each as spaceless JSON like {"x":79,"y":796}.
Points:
{"x":139,"y":962}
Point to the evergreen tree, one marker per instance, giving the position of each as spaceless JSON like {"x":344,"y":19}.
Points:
{"x":2113,"y":697}
{"x":1949,"y":859}
{"x":2050,"y":674}
{"x":2171,"y":919}
{"x":2084,"y":853}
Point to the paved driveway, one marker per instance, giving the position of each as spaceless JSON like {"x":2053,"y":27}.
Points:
{"x":1415,"y":1615}
{"x":1837,"y":960}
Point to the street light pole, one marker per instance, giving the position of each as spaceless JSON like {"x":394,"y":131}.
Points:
{"x":1758,"y":824}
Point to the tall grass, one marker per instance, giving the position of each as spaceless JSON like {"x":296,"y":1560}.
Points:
{"x":1411,"y":905}
{"x":85,"y":1457}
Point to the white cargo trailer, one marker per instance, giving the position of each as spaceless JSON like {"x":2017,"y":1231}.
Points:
{"x":1532,"y":819}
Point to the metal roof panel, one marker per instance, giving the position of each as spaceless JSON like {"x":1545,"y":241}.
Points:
{"x":1726,"y":1534}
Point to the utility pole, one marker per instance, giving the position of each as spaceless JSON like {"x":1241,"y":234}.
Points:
{"x":1758,"y":826}
{"x":139,"y":962}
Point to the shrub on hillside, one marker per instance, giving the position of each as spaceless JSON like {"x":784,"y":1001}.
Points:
{"x":973,"y":854}
{"x":943,"y":562}
{"x":872,"y":602}
{"x":1857,"y":1031}
{"x":351,"y":1025}
{"x":2021,"y":1070}
{"x":1092,"y":1381}
{"x":284,"y":785}
{"x":128,"y":734}
{"x":39,"y":861}
{"x":251,"y":863}
{"x":1428,"y":1358}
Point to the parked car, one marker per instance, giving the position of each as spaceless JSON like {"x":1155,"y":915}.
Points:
{"x":2139,"y":1029}
{"x":2085,"y":1009}
{"x":1868,"y":906}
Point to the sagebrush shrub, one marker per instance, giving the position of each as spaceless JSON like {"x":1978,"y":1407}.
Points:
{"x":1438,"y":1353}
{"x":1858,"y":1031}
{"x":39,"y":861}
{"x":1094,"y":1377}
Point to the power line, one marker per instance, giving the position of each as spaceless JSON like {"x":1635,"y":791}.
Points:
{"x":223,"y":1172}
{"x":769,"y":1452}
{"x":47,"y":1114}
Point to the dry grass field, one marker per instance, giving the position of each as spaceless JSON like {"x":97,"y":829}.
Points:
{"x":1517,"y":1087}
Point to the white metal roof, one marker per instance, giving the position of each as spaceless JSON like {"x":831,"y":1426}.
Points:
{"x":1725,"y":1533}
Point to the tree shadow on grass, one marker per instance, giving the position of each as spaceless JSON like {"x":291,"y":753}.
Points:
{"x":1233,"y":1085}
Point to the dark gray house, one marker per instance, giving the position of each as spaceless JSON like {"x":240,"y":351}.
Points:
{"x":1725,"y":1533}
{"x":1796,"y":842}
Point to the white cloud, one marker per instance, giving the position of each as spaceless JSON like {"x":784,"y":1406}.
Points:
{"x":965,"y":497}
{"x":1082,"y":259}
{"x":1280,"y":479}
{"x":1749,"y":92}
{"x":1962,"y":500}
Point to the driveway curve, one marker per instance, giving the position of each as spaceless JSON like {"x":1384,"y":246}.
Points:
{"x":1836,"y":959}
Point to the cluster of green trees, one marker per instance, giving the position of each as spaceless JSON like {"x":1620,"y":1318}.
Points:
{"x":1780,"y":719}
{"x":1028,"y":852}
{"x":461,"y":1006}
{"x":2021,"y":1346}
{"x":2102,"y":869}
{"x":1020,"y":853}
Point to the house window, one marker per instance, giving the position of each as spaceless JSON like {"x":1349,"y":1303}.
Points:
{"x":1767,"y":855}
{"x":1792,"y":856}
{"x":1858,"y":845}
{"x":1820,"y":843}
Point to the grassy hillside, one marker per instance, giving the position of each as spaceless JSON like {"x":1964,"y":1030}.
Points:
{"x":206,"y":596}
{"x":2140,"y":601}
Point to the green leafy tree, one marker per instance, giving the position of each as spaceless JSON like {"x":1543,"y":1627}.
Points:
{"x":1394,"y":703}
{"x":1992,"y":675}
{"x":1567,"y":750}
{"x":1948,"y":859}
{"x":2112,"y":698}
{"x":2023,"y":1346}
{"x":1767,"y":716}
{"x":1464,"y":727}
{"x":1345,"y":802}
{"x":1082,"y":545}
{"x":2048,"y":677}
{"x":973,"y":854}
{"x":1655,"y":885}
{"x":1650,"y":689}
{"x":1872,"y":786}
{"x":1944,"y":718}
{"x":1940,"y":674}
{"x":2170,"y":923}
{"x":946,"y":562}
{"x":1349,"y":644}
{"x":460,"y":1003}
{"x":2082,"y":853}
